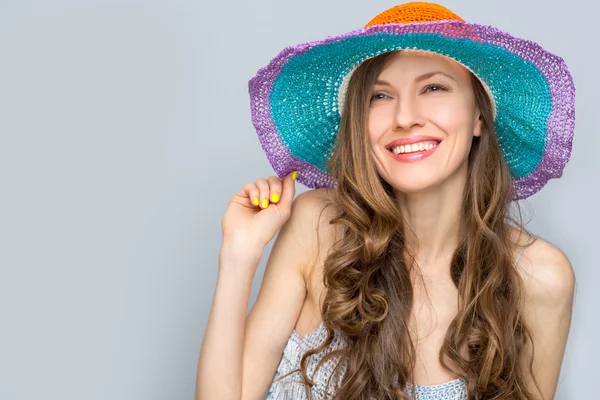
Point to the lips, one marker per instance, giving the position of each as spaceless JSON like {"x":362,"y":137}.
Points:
{"x":411,"y":140}
{"x":409,"y":157}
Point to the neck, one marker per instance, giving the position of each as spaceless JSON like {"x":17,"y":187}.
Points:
{"x":432,"y":219}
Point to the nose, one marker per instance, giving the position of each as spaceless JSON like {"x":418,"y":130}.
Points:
{"x":408,"y":113}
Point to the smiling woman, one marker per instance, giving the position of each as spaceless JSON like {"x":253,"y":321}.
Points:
{"x":403,"y":274}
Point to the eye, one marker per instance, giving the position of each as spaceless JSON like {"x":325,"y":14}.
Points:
{"x":378,"y":96}
{"x":434,"y":87}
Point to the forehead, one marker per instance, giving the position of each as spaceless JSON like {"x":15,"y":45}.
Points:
{"x":414,"y":62}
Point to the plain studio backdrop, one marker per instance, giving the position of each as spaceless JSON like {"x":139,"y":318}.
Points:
{"x":125,"y":129}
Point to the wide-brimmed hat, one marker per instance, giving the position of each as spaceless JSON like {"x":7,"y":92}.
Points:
{"x":297,"y":99}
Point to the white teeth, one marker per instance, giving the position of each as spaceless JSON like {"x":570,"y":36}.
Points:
{"x":409,"y":148}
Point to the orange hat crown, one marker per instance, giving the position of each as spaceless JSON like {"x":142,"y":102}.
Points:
{"x":413,"y":13}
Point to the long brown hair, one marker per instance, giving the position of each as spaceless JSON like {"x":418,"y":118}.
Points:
{"x":368,"y":289}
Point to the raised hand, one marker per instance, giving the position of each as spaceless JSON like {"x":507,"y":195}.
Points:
{"x":259,"y":209}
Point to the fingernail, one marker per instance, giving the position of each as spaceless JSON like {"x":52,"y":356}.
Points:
{"x":294,"y":175}
{"x":274,"y":198}
{"x":255,"y":201}
{"x":265,"y":203}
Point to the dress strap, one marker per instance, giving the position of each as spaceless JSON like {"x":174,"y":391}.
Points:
{"x":534,"y":238}
{"x":519,"y":255}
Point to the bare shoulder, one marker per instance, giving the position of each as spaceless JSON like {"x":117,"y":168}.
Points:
{"x":549,"y":283}
{"x":313,"y":202}
{"x":312,"y":212}
{"x":546,"y":272}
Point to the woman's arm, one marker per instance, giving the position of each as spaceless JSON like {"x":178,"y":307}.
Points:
{"x":549,"y":284}
{"x":219,"y":363}
{"x":239,"y":355}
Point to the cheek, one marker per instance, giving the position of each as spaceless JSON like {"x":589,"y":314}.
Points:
{"x":377,"y":123}
{"x":454,"y":119}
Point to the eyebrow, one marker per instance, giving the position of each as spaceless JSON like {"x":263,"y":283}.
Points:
{"x":420,"y":78}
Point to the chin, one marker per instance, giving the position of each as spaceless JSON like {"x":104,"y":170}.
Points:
{"x":414,"y":186}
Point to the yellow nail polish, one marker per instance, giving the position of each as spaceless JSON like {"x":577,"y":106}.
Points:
{"x":265,"y":203}
{"x":294,"y":175}
{"x":255,"y":201}
{"x":274,"y":198}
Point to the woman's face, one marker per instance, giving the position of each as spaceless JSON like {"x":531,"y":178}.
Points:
{"x":423,"y":108}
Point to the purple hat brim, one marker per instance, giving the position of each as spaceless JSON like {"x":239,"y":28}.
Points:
{"x":559,"y":128}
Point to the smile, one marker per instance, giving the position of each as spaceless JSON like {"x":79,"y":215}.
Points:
{"x":414,"y":147}
{"x":414,"y":151}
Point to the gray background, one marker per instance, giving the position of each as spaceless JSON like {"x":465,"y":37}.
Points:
{"x":125,"y":129}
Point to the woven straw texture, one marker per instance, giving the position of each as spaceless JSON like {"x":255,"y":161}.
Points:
{"x":297,"y":99}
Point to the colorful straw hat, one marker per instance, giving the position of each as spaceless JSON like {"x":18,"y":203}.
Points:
{"x":296,"y":100}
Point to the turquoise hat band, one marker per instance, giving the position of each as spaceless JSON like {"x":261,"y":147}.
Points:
{"x":532,"y":90}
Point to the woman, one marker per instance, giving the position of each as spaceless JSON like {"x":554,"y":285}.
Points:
{"x":407,"y":277}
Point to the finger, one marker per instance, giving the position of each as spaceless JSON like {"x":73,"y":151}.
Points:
{"x":289,"y":189}
{"x":263,"y":189}
{"x":275,"y":187}
{"x":251,"y":191}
